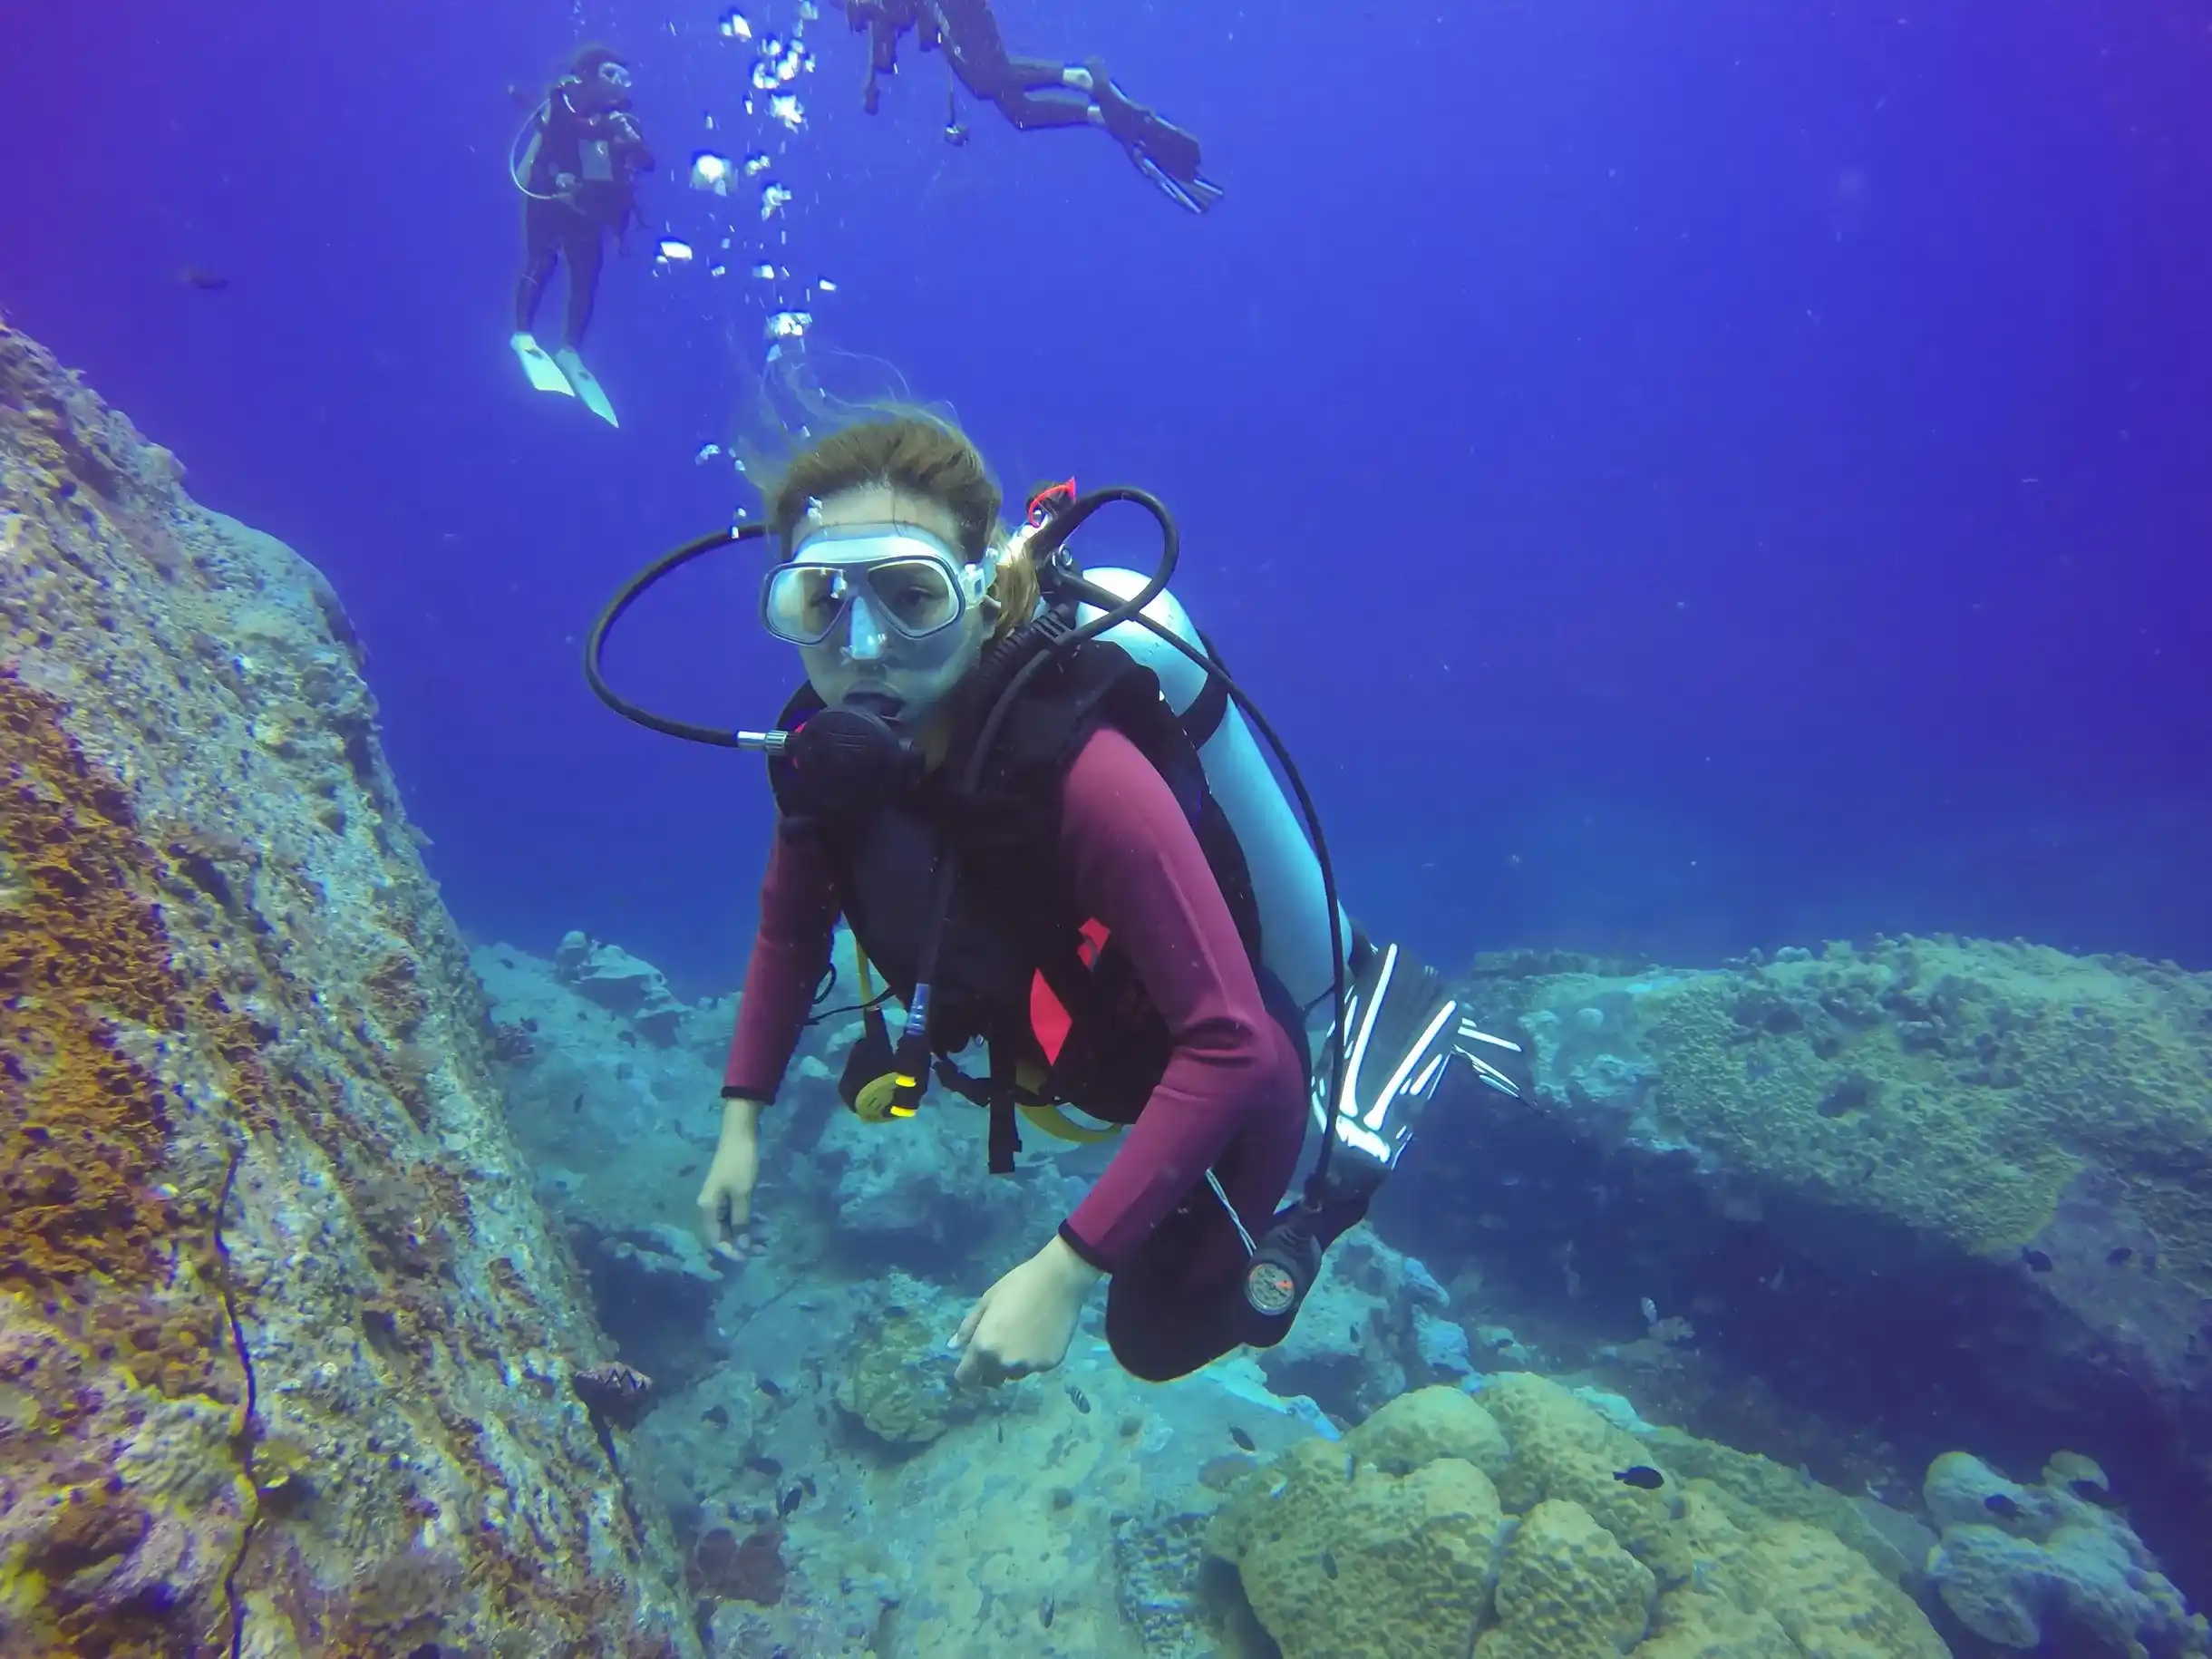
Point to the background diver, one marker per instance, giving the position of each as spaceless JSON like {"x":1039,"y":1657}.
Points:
{"x":577,"y":175}
{"x":1031,"y":92}
{"x":1116,"y":865}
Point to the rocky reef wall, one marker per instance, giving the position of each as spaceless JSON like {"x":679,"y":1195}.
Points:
{"x":287,"y":1351}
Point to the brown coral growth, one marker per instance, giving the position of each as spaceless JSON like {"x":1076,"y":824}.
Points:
{"x":82,"y":1126}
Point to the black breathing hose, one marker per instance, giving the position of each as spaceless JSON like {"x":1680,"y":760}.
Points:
{"x":594,"y":642}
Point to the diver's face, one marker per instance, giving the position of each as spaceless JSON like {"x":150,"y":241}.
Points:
{"x":865,"y":659}
{"x":609,"y":83}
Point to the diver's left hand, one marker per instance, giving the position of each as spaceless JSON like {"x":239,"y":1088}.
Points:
{"x":1024,"y":1322}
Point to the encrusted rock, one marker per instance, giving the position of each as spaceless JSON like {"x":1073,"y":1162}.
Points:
{"x":250,"y":1148}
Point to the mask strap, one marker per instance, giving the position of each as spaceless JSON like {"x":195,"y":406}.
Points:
{"x":986,"y":568}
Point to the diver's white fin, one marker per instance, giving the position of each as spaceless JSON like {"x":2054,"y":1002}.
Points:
{"x":586,"y":384}
{"x":1401,"y":1025}
{"x":544,"y":373}
{"x":1488,"y":1073}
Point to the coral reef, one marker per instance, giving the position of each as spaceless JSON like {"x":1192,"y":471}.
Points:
{"x":1160,"y":1560}
{"x":1374,"y":1323}
{"x":726,"y":1567}
{"x":283,"y":1342}
{"x":621,"y":983}
{"x":2020,"y":1563}
{"x":1957,"y":1087}
{"x":1504,"y":1521}
{"x":1813,"y":1158}
{"x":896,"y":1386}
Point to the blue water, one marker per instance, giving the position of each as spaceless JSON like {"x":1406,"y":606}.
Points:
{"x":1681,"y":478}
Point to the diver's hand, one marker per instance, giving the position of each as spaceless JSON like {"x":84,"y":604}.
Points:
{"x":725,"y":1198}
{"x":1024,"y":1322}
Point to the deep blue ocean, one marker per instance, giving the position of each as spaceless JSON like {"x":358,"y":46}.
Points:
{"x":1682,"y":479}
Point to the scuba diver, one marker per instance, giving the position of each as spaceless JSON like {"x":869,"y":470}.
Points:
{"x":1031,"y":92}
{"x":577,"y":175}
{"x":1047,"y":829}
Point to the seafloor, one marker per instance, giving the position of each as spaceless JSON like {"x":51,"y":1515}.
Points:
{"x":1848,"y":1304}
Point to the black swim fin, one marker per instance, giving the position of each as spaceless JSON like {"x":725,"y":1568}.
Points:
{"x":1160,"y":151}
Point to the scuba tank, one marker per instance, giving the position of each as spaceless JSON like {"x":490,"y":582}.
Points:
{"x":1286,"y":876}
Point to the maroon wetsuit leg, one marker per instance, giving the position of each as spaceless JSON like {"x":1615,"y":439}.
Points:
{"x":1179,"y":1304}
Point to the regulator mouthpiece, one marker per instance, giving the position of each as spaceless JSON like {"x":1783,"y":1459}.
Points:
{"x":851,"y":760}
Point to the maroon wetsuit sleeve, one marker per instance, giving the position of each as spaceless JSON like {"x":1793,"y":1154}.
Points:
{"x":1134,"y":863}
{"x":798,"y":911}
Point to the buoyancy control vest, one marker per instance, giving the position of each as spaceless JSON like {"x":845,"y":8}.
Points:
{"x":1020,"y":966}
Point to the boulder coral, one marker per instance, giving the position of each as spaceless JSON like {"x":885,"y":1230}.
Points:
{"x":1339,"y":1558}
{"x":2022,"y":1563}
{"x":1497,"y":1523}
{"x":896,"y":1385}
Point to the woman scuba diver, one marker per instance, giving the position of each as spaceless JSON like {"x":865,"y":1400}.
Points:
{"x":1035,"y":844}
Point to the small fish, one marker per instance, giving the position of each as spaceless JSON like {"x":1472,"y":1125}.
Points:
{"x":686,"y":1169}
{"x":2119,"y":1259}
{"x":1328,"y":1563}
{"x":1641,"y":1476}
{"x":718,"y":1415}
{"x":202,"y":281}
{"x":1355,"y":1337}
{"x":769,"y":1386}
{"x":576,"y":1105}
{"x":1243,"y":1440}
{"x":808,"y":1482}
{"x":2036,"y":1260}
{"x":1045,"y":1609}
{"x":764,"y":1466}
{"x":789,"y":1502}
{"x":1081,"y":1399}
{"x":1997,"y":1503}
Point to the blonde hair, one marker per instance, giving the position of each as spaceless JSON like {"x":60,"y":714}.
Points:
{"x":916,"y":454}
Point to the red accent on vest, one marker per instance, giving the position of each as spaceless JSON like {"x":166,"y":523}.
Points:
{"x":1049,"y":1020}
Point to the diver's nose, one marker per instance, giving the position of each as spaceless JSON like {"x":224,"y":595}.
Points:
{"x":864,"y":639}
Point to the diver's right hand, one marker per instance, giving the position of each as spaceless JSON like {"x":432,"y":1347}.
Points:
{"x":725,"y":1198}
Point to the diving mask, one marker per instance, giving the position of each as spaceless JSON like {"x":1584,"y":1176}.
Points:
{"x":615,"y":76}
{"x":894,"y":584}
